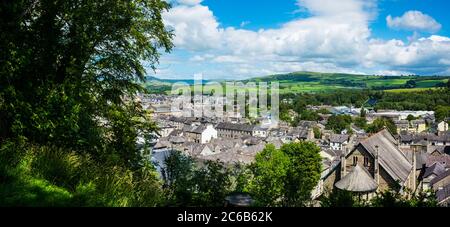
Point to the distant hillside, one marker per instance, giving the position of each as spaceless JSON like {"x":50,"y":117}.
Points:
{"x":312,"y":82}
{"x":319,"y":82}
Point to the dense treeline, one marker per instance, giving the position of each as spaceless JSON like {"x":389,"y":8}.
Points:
{"x":420,"y":100}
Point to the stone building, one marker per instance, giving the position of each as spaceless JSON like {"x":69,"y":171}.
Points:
{"x":384,"y":161}
{"x":375,"y":161}
{"x":230,"y":130}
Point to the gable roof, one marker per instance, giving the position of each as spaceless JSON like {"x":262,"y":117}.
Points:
{"x":390,"y":157}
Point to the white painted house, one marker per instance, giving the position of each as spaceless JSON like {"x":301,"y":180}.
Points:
{"x":201,"y":134}
{"x":442,"y":126}
{"x":208,"y":134}
{"x":338,"y":141}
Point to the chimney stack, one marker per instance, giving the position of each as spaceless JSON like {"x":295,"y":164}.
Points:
{"x":377,"y":166}
{"x":343,"y":163}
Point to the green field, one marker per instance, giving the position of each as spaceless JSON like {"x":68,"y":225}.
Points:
{"x":311,"y":82}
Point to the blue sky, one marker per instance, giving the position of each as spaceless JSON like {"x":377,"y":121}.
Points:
{"x":229,"y":39}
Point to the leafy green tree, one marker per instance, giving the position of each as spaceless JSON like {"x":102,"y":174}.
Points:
{"x":303,"y":173}
{"x":411,"y":118}
{"x":189,"y":184}
{"x":284,"y":113}
{"x":213,"y":184}
{"x":285,"y":177}
{"x":178,"y":174}
{"x":363,"y":113}
{"x":361,"y":122}
{"x":338,"y":123}
{"x":308,"y":115}
{"x":269,"y":170}
{"x":381,"y":123}
{"x":442,"y":113}
{"x":69,"y":72}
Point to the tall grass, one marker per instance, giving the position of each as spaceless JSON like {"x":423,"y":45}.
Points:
{"x":32,"y":175}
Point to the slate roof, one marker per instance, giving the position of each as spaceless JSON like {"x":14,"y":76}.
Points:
{"x":195,"y":129}
{"x":436,"y":169}
{"x":338,"y":138}
{"x":235,"y":127}
{"x":298,"y":132}
{"x":443,"y":159}
{"x":443,"y":194}
{"x":391,"y":158}
{"x":306,"y":124}
{"x":440,"y":177}
{"x":358,"y":180}
{"x":410,"y":138}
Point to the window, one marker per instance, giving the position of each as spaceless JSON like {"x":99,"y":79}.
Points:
{"x":355,"y":160}
{"x":366,"y":161}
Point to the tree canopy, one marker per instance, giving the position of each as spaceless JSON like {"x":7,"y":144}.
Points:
{"x":285,"y":176}
{"x":69,"y":71}
{"x":67,"y":68}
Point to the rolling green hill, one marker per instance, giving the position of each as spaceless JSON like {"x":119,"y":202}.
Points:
{"x":312,"y":82}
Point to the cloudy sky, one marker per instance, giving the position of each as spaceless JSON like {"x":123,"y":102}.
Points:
{"x":233,"y":39}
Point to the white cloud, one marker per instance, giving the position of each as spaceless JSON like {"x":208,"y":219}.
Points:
{"x":335,"y":38}
{"x":195,"y":27}
{"x":323,"y":36}
{"x":414,"y":21}
{"x":430,"y":54}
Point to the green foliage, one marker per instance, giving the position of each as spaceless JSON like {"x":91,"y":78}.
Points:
{"x":285,"y":177}
{"x":270,"y":171}
{"x":188,"y":184}
{"x":50,"y":176}
{"x":323,"y":111}
{"x":363,"y":113}
{"x":360,"y":122}
{"x":411,"y":118}
{"x":317,"y":133}
{"x":67,"y":67}
{"x":395,"y":199}
{"x":442,"y":113}
{"x":381,"y":123}
{"x":308,"y":115}
{"x":339,"y":123}
{"x":68,"y":75}
{"x":339,"y":198}
{"x":284,"y":113}
{"x":417,"y":100}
